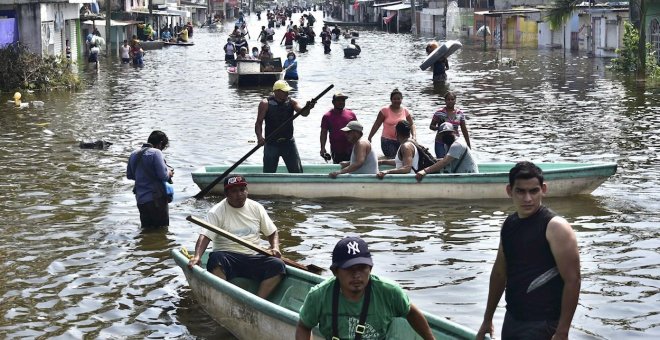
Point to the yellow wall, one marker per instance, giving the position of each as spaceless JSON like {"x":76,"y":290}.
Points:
{"x":521,"y":32}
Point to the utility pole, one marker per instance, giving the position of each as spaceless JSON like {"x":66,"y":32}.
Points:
{"x":444,"y":20}
{"x":414,"y":17}
{"x":108,"y":21}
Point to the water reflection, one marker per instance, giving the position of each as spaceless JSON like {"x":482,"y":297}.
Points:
{"x":77,"y":265}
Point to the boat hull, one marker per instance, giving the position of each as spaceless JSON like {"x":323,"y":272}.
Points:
{"x":236,"y":308}
{"x":152,"y":45}
{"x":564,"y":179}
{"x":248,"y":73}
{"x":351,"y":52}
{"x":168,"y":43}
{"x":253,"y":79}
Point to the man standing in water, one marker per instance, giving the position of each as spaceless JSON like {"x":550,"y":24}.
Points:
{"x":333,"y":121}
{"x":276,"y":112}
{"x":148,"y":169}
{"x":537,"y":262}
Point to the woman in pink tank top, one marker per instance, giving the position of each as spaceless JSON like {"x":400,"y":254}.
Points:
{"x":389,"y":116}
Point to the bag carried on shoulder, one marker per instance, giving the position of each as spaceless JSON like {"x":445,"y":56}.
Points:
{"x":426,"y":159}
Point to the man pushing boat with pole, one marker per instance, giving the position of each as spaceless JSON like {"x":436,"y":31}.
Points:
{"x":270,"y":136}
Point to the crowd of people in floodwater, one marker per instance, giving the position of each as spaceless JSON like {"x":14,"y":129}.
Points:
{"x":302,"y":33}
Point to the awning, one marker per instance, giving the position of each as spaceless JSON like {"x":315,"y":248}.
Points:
{"x":388,"y":19}
{"x":172,"y":11}
{"x":158,"y":12}
{"x":397,"y":7}
{"x":513,"y":11}
{"x":187,"y":5}
{"x":387,"y":4}
{"x":113,"y":23}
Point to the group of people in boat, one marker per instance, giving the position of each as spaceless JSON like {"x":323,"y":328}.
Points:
{"x":351,"y":147}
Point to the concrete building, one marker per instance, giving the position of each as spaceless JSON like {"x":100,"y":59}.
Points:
{"x":45,"y":27}
{"x":596,"y":30}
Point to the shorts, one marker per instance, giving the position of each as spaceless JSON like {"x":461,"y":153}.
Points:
{"x":93,"y":58}
{"x":514,"y":329}
{"x":389,"y":147}
{"x":125,"y":60}
{"x":255,"y":267}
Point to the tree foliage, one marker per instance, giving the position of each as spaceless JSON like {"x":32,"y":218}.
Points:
{"x":21,"y":69}
{"x":561,"y":12}
{"x":628,"y":60}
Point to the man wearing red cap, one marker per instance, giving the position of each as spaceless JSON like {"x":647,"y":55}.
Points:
{"x":355,"y":302}
{"x":245,"y":218}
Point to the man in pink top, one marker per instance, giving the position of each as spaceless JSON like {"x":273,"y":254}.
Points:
{"x":333,"y":121}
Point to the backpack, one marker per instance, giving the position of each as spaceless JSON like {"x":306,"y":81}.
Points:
{"x":426,"y":159}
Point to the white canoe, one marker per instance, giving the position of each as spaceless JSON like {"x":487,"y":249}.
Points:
{"x":236,"y":307}
{"x":564,"y":179}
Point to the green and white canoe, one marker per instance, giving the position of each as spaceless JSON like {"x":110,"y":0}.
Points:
{"x":564,"y":179}
{"x":236,"y":307}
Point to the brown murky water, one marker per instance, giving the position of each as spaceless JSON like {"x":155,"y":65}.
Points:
{"x":75,"y":263}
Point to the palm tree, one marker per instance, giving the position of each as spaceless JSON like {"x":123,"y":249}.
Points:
{"x":561,"y":12}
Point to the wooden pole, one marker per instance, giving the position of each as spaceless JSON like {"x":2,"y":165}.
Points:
{"x":108,"y":27}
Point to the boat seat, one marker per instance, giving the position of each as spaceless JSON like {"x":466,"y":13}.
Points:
{"x":246,"y":284}
{"x":294,"y":296}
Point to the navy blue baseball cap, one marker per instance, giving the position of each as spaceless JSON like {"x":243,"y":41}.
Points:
{"x":350,"y":251}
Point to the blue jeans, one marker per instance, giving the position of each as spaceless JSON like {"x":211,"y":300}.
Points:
{"x":283,"y":148}
{"x":440,"y":150}
{"x":389,"y":147}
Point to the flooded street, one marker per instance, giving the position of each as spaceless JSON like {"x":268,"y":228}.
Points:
{"x":76,"y":263}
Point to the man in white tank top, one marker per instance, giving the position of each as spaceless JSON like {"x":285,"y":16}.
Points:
{"x":406,"y":157}
{"x":363,"y":157}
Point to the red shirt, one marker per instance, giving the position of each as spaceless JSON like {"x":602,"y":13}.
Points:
{"x":333,"y":121}
{"x":289,"y":37}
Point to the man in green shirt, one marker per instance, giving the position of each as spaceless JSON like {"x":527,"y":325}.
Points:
{"x":347,"y":293}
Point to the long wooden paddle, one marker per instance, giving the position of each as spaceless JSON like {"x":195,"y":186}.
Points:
{"x":310,"y":267}
{"x":307,"y":107}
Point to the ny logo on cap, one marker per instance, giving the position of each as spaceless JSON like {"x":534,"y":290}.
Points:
{"x":234,"y":180}
{"x":353,"y":248}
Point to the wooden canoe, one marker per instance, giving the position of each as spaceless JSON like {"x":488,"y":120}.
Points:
{"x":564,"y":179}
{"x":180,"y":43}
{"x":236,"y":307}
{"x":248,"y":73}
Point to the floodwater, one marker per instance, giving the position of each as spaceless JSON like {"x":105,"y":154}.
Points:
{"x":76,"y":264}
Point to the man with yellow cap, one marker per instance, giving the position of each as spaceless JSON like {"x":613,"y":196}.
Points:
{"x":276,"y":111}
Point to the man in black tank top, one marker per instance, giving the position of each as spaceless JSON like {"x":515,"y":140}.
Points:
{"x":538,"y":263}
{"x":275,"y":111}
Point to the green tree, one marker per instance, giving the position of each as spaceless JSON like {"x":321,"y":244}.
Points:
{"x":629,"y":59}
{"x":639,"y":7}
{"x":23,"y":69}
